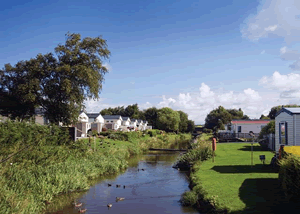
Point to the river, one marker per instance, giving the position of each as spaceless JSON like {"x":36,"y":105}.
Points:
{"x":156,"y":189}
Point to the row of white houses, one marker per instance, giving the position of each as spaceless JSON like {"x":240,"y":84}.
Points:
{"x":95,"y":121}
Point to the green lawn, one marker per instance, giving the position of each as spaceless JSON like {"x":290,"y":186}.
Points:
{"x":238,"y":186}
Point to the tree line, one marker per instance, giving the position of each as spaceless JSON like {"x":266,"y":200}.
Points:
{"x":164,"y":119}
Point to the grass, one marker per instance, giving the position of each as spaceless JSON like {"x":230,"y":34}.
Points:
{"x":54,"y":165}
{"x":231,"y":184}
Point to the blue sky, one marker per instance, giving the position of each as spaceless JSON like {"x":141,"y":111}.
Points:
{"x":187,"y":55}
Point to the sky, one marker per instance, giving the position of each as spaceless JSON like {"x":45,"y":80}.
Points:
{"x":187,"y":55}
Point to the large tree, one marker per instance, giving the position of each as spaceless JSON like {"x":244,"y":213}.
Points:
{"x":168,"y":119}
{"x":183,"y":125}
{"x":190,"y":126}
{"x":151,"y":115}
{"x":60,"y":82}
{"x":217,"y":118}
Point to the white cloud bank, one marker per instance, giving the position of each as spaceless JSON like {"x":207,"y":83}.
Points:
{"x":279,"y":89}
{"x":279,"y":18}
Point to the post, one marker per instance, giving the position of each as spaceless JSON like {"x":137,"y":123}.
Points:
{"x":214,"y":147}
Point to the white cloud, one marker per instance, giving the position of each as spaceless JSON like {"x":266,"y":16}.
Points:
{"x":287,"y":54}
{"x":263,"y":52}
{"x":275,"y":18}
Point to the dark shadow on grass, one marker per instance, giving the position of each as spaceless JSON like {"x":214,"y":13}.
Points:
{"x":255,"y":148}
{"x":258,"y":168}
{"x":264,"y":195}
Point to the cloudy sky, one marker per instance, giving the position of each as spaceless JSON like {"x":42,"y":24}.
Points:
{"x":188,"y":55}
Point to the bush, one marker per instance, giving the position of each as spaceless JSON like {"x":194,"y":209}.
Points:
{"x":189,"y":198}
{"x":289,"y":176}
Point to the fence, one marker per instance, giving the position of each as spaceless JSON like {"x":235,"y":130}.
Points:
{"x":233,"y":136}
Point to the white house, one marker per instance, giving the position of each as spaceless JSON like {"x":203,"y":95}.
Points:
{"x":113,"y":121}
{"x":96,"y":120}
{"x":145,"y":124}
{"x":287,"y":127}
{"x":82,"y":125}
{"x":139,"y":124}
{"x":126,"y":121}
{"x":245,"y":126}
{"x":133,"y":123}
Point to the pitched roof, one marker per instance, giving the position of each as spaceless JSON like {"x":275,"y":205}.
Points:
{"x":111,"y":117}
{"x":125,"y":118}
{"x":290,"y":111}
{"x":92,"y":115}
{"x":139,"y":121}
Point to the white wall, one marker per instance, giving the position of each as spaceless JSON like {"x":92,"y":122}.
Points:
{"x":246,"y":128}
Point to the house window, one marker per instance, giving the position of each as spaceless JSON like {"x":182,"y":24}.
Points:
{"x":107,"y":121}
{"x":111,"y":121}
{"x":283,"y":133}
{"x":239,"y":129}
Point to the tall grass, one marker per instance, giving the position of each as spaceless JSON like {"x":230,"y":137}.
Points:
{"x":53,"y":164}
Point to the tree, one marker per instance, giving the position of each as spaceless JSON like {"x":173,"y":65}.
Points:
{"x":237,"y":114}
{"x":268,"y":129}
{"x":151,"y":115}
{"x":59,"y":84}
{"x":183,"y":125}
{"x":217,"y":118}
{"x":263,"y":117}
{"x":190,"y":126}
{"x":274,"y":110}
{"x":168,"y":119}
{"x":132,"y":111}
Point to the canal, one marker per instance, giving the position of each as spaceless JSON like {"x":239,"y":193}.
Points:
{"x":151,"y":186}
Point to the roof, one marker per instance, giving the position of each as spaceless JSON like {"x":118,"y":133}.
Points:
{"x":250,"y":121}
{"x":290,"y":111}
{"x":125,"y":118}
{"x":116,"y":117}
{"x":139,"y":121}
{"x":39,"y":111}
{"x":92,"y":115}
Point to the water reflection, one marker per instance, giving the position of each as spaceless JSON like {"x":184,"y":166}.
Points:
{"x":157,"y":189}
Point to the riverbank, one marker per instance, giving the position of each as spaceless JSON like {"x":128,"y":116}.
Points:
{"x":231,"y":185}
{"x":53,"y":165}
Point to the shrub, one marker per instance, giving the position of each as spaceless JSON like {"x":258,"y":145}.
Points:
{"x":189,"y":198}
{"x":94,"y":133}
{"x":289,"y":176}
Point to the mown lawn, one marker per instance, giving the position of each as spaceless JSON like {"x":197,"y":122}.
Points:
{"x":239,"y":187}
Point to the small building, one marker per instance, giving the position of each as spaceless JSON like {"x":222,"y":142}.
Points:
{"x":287,"y":127}
{"x":245,"y":126}
{"x":113,"y":121}
{"x":133,"y":123}
{"x":126,"y":121}
{"x":39,"y":117}
{"x":139,"y":125}
{"x":96,"y":120}
{"x":82,"y":125}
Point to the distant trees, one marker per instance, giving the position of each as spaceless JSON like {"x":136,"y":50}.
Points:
{"x":217,"y":118}
{"x":165,"y":118}
{"x":274,"y":110}
{"x":58,"y":83}
{"x":168,"y":119}
{"x":268,"y":129}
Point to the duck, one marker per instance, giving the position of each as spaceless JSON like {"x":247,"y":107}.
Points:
{"x":138,"y":170}
{"x":143,"y":169}
{"x":120,"y":199}
{"x":118,"y":185}
{"x":109,"y":205}
{"x":124,"y":186}
{"x":82,"y":211}
{"x":109,"y":185}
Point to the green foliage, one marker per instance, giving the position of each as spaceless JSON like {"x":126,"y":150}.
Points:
{"x":151,"y":115}
{"x":168,"y":120}
{"x":183,"y":124}
{"x":199,"y":151}
{"x":58,"y":84}
{"x":289,"y":176}
{"x":263,"y":117}
{"x":219,"y":117}
{"x":189,"y":198}
{"x":190,"y":126}
{"x":268,"y":129}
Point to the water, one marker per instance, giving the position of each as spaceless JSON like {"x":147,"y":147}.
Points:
{"x":157,"y":189}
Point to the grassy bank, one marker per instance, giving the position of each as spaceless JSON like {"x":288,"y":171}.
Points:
{"x":53,"y":165}
{"x":232,"y":185}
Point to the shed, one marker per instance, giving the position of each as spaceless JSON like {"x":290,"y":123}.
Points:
{"x":287,"y":127}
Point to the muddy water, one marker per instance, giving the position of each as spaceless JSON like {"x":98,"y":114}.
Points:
{"x":157,"y":189}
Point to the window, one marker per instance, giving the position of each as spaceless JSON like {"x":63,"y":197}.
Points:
{"x":107,"y":121}
{"x":283,"y":133}
{"x":239,"y":129}
{"x":111,"y":121}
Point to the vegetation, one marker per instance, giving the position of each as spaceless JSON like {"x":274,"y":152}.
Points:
{"x":190,"y":126}
{"x":41,"y":162}
{"x":274,"y":110}
{"x":230,"y":184}
{"x":168,"y":119}
{"x":58,"y":83}
{"x":268,"y":129}
{"x":289,"y":174}
{"x":219,"y":117}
